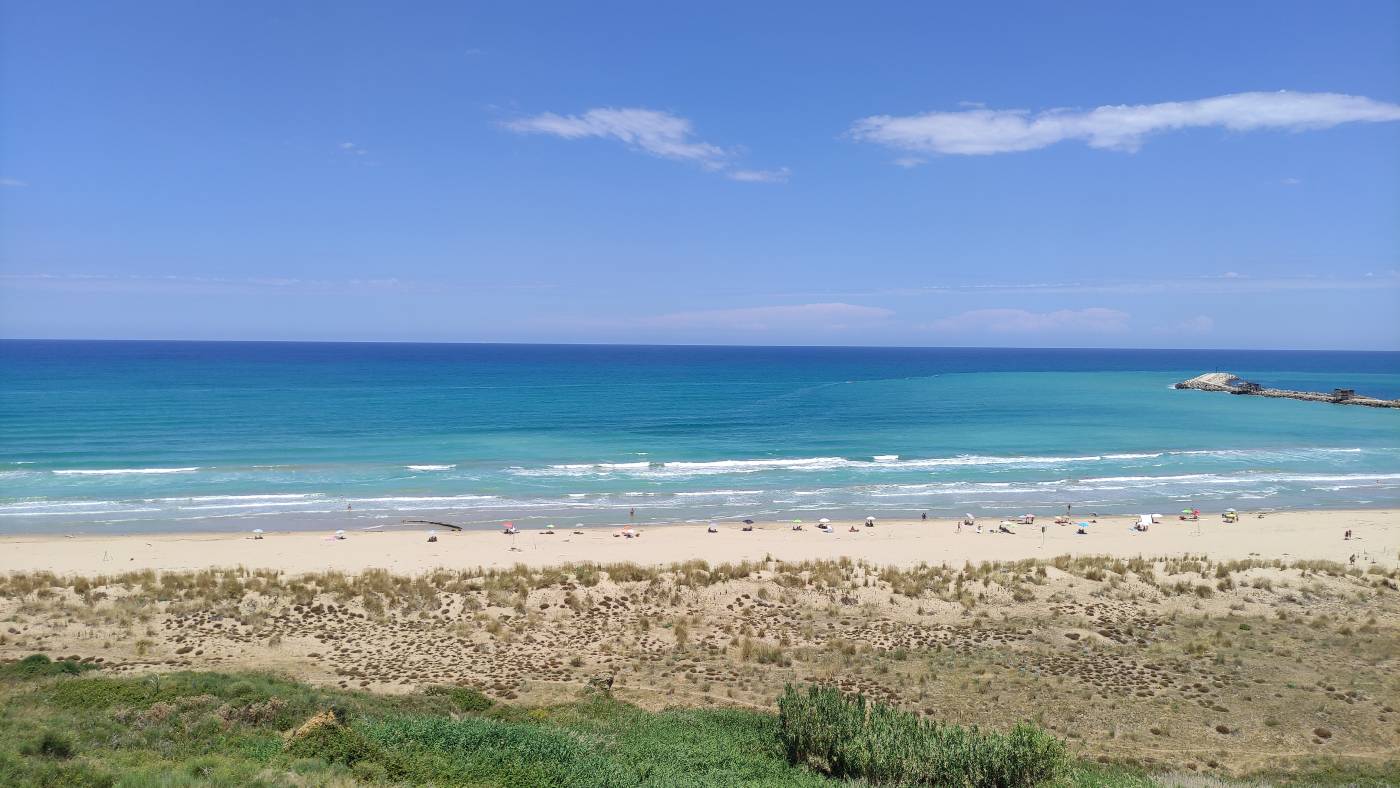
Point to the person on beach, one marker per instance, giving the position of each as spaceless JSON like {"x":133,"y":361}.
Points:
{"x":924,"y":516}
{"x":632,"y":513}
{"x":1348,"y":535}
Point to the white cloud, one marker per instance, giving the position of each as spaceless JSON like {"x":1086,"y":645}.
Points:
{"x":763,"y":318}
{"x":1115,"y":127}
{"x":779,"y":175}
{"x":658,"y":133}
{"x":13,"y":183}
{"x":1291,"y":181}
{"x":352,"y":149}
{"x":1096,"y":320}
{"x":654,"y":132}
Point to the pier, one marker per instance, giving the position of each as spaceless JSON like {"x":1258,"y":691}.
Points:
{"x":1234,"y":384}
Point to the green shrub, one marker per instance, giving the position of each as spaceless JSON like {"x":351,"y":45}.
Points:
{"x":50,"y":744}
{"x":849,"y":737}
{"x":465,"y":699}
{"x":334,"y":744}
{"x":38,"y":665}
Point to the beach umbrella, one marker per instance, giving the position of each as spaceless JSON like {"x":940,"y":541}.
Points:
{"x":340,"y":534}
{"x":823,"y":521}
{"x":1185,"y":511}
{"x":550,"y":526}
{"x":797,"y":521}
{"x":748,"y":522}
{"x":258,"y":531}
{"x":1082,"y":524}
{"x":578,"y":525}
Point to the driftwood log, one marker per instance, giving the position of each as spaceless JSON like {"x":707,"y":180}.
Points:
{"x":433,"y":522}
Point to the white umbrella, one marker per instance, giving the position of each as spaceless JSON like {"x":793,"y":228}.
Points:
{"x":340,"y":534}
{"x":823,"y":520}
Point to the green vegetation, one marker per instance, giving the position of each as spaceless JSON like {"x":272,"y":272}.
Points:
{"x":846,"y":736}
{"x":62,"y":725}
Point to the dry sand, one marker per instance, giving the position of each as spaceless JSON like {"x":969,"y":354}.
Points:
{"x":1284,"y":535}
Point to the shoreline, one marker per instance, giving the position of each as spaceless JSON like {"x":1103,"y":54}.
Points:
{"x":1293,"y":535}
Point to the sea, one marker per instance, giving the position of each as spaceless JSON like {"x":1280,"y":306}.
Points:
{"x":118,"y":436}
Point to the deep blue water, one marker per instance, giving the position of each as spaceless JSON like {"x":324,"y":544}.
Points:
{"x":132,"y":436}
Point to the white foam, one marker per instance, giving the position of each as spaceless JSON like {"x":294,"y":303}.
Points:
{"x":430,"y":467}
{"x":261,"y":497}
{"x":424,"y":499}
{"x":122,"y":471}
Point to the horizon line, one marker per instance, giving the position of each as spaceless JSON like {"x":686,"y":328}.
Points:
{"x":686,"y":345}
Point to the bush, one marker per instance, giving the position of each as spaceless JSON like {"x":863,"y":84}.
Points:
{"x":50,"y":745}
{"x":333,"y":743}
{"x":849,"y":737}
{"x":465,"y":699}
{"x":38,"y":665}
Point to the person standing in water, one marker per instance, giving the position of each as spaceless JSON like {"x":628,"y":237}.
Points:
{"x":632,"y":513}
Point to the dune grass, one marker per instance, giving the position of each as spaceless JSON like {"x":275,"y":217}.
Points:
{"x":63,"y":724}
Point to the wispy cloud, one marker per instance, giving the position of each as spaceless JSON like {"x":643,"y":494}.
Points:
{"x":180,"y":283}
{"x":779,"y":175}
{"x":1200,"y":324}
{"x":833,"y":316}
{"x":1229,"y":282}
{"x":1094,"y":320}
{"x":1115,"y":127}
{"x":352,"y":149}
{"x":650,"y":131}
{"x":13,"y":183}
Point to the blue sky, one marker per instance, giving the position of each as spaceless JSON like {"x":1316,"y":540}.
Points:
{"x":1083,"y":174}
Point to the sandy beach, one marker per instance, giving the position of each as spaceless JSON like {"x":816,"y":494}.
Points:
{"x":1283,"y":535}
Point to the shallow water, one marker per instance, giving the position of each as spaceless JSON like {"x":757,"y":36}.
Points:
{"x":130,"y":436}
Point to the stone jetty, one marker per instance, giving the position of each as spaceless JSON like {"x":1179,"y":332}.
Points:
{"x":1234,"y":384}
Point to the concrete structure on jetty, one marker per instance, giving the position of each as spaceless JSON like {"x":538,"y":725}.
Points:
{"x":1233,"y":384}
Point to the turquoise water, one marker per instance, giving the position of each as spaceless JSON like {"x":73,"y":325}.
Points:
{"x":132,"y":436}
